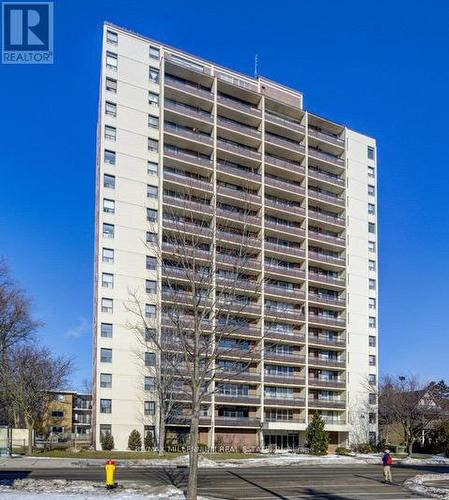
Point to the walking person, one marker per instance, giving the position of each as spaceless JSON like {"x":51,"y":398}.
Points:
{"x":387,"y":461}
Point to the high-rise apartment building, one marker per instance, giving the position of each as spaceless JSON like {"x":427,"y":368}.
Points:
{"x":169,"y":120}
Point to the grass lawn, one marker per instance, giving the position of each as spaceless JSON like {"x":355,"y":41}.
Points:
{"x":230,"y":456}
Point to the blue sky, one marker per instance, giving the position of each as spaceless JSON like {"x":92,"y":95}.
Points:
{"x":379,"y":66}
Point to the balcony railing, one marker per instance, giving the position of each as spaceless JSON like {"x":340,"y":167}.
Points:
{"x":187,"y":181}
{"x":286,"y":185}
{"x":320,"y":174}
{"x":186,"y":227}
{"x":185,"y":109}
{"x":245,"y":262}
{"x":334,"y":363}
{"x":319,"y":195}
{"x":239,"y":105}
{"x":283,"y":401}
{"x":237,"y":399}
{"x":326,"y":156}
{"x":333,"y":219}
{"x":284,"y":206}
{"x":326,"y":320}
{"x":187,"y":157}
{"x":237,"y":422}
{"x":285,"y":228}
{"x":326,"y":137}
{"x":285,"y":122}
{"x":293,"y":293}
{"x":296,"y":251}
{"x":327,"y":403}
{"x":284,"y":357}
{"x":246,"y":174}
{"x":187,"y":204}
{"x":188,"y":87}
{"x":324,"y":340}
{"x":291,"y":314}
{"x":287,"y":271}
{"x":280,"y":162}
{"x":246,"y":376}
{"x":238,"y":127}
{"x":239,"y":149}
{"x":285,"y":380}
{"x":337,"y":240}
{"x":239,"y":194}
{"x":238,"y":238}
{"x":284,"y":142}
{"x":186,"y":419}
{"x":326,"y":299}
{"x":235,"y":215}
{"x":188,"y":134}
{"x":321,"y":257}
{"x":326,"y":279}
{"x":321,"y":382}
{"x":246,"y":330}
{"x":279,"y":335}
{"x":233,"y":283}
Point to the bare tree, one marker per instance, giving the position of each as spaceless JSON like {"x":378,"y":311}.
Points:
{"x":412,"y":405}
{"x":28,"y":375}
{"x":209,"y":283}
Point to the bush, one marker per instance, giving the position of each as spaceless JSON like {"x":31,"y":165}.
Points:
{"x":135,"y":441}
{"x":107,"y":442}
{"x":148,"y":442}
{"x":317,"y":438}
{"x":362,"y":448}
{"x":341,"y":450}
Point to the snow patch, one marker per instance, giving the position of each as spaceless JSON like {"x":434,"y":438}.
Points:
{"x":420,"y":484}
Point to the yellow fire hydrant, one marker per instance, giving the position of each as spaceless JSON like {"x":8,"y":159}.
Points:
{"x":109,"y":470}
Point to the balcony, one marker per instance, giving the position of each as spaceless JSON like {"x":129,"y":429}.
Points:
{"x":284,"y":380}
{"x":238,"y":127}
{"x":285,"y":207}
{"x":231,"y":377}
{"x":239,"y":149}
{"x":327,"y":403}
{"x":247,"y":354}
{"x":284,"y":142}
{"x":285,"y":185}
{"x":285,"y":228}
{"x":286,"y":271}
{"x":289,"y":250}
{"x":238,"y":216}
{"x":187,"y":156}
{"x":282,"y":291}
{"x":246,"y":241}
{"x":284,"y":357}
{"x":238,"y":399}
{"x":327,"y":137}
{"x":327,"y":238}
{"x":322,"y":155}
{"x":188,"y":87}
{"x":325,"y":176}
{"x":186,"y":419}
{"x":327,"y":197}
{"x":237,"y":422}
{"x":332,"y":219}
{"x":241,"y":195}
{"x":327,"y":341}
{"x":292,"y":166}
{"x":328,"y":259}
{"x":285,"y":314}
{"x":333,"y":363}
{"x":246,"y":262}
{"x":240,"y":172}
{"x":190,"y":182}
{"x":284,"y":122}
{"x":324,"y":278}
{"x":322,"y":382}
{"x":185,"y":251}
{"x":327,"y":299}
{"x":283,"y":401}
{"x":188,"y":134}
{"x":192,"y":112}
{"x":231,"y":283}
{"x":239,"y":105}
{"x":327,"y":320}
{"x":238,"y":307}
{"x":280,"y":335}
{"x":246,"y":330}
{"x":187,"y":204}
{"x":186,"y":227}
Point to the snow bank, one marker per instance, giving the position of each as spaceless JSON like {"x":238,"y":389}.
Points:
{"x":420,"y":484}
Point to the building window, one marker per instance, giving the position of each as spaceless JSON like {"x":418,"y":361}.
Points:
{"x":106,"y":330}
{"x":372,"y":418}
{"x":110,"y":108}
{"x":105,"y":405}
{"x":150,"y":286}
{"x":371,"y":172}
{"x":109,"y":181}
{"x":153,"y":75}
{"x":151,"y":191}
{"x":153,"y":145}
{"x":150,"y":359}
{"x":105,"y":429}
{"x":372,"y":265}
{"x":151,"y":237}
{"x":57,"y":414}
{"x":150,"y":311}
{"x":371,"y":284}
{"x":371,"y":227}
{"x":107,"y":280}
{"x":153,"y":99}
{"x":154,"y":52}
{"x":372,"y":246}
{"x":151,"y":215}
{"x":110,"y":133}
{"x":372,"y":303}
{"x":111,"y":60}
{"x":108,"y":206}
{"x":111,"y":37}
{"x":108,"y":231}
{"x":370,"y":153}
{"x":372,"y":360}
{"x":371,"y":209}
{"x":372,"y":379}
{"x":372,"y":322}
{"x":371,"y":190}
{"x":372,"y":341}
{"x":106,"y":380}
{"x":109,"y":157}
{"x":372,"y":436}
{"x":107,"y":255}
{"x":57,"y":429}
{"x":150,"y":383}
{"x":150,"y":334}
{"x":149,"y":408}
{"x":107,"y":305}
{"x":151,"y":263}
{"x":152,"y":168}
{"x":153,"y":121}
{"x":105,"y":355}
{"x":372,"y":399}
{"x":111,"y":85}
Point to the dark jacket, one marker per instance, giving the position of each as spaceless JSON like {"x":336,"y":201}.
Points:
{"x":386,"y":459}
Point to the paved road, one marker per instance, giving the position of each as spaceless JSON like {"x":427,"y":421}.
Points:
{"x":285,"y":483}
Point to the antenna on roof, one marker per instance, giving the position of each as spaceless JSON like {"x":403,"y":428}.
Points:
{"x":256,"y":65}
